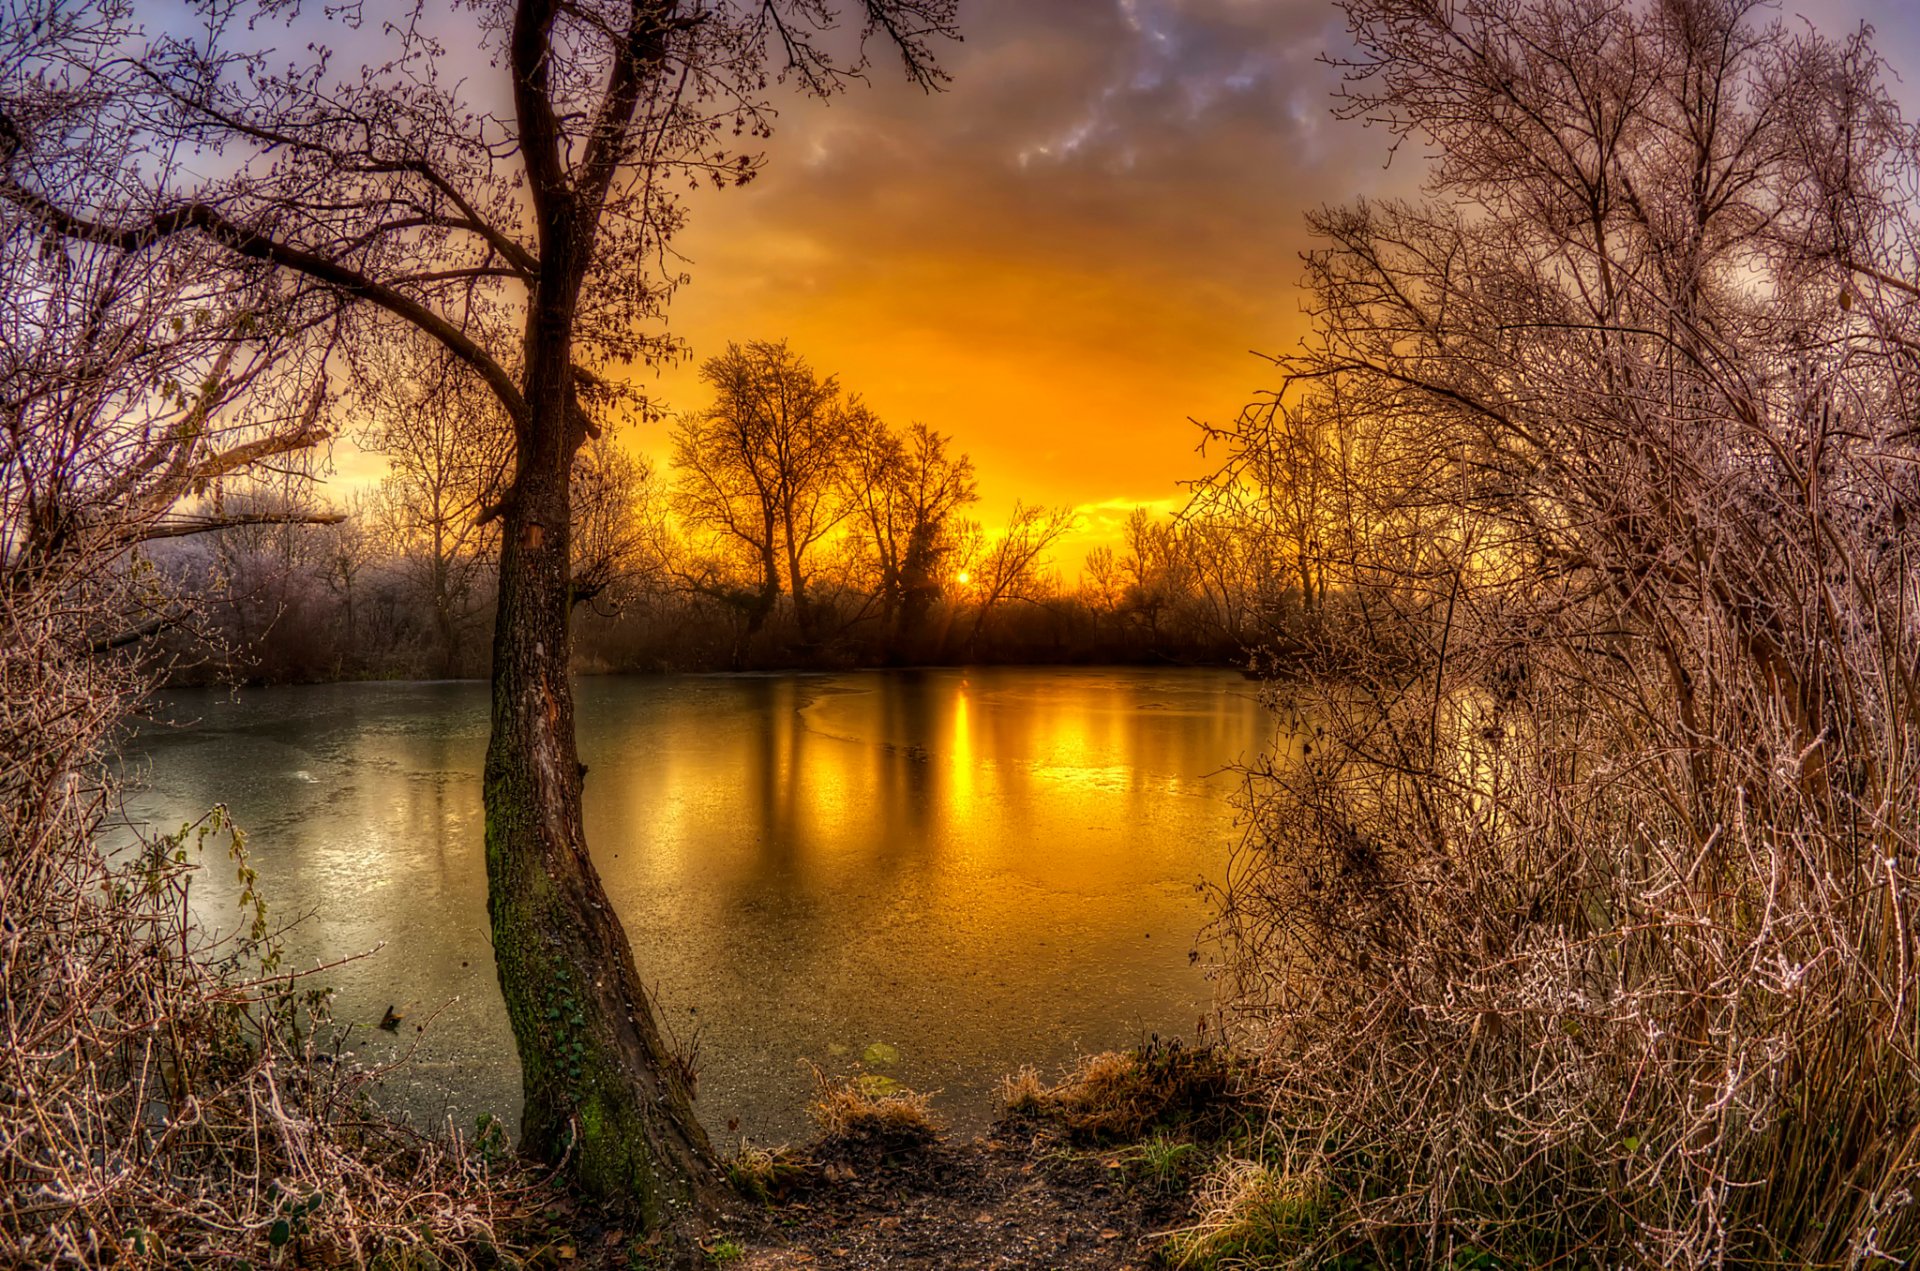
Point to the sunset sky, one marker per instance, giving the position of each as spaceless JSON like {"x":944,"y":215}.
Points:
{"x":1076,"y":248}
{"x":1060,"y":259}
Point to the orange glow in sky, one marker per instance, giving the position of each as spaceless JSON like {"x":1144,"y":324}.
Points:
{"x":1069,"y":255}
{"x":1060,"y":260}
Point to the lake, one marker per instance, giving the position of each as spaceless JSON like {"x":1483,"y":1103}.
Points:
{"x":934,"y":875}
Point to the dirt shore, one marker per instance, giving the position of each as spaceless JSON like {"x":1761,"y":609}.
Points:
{"x":1015,"y":1198}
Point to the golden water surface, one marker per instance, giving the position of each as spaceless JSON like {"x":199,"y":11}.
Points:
{"x":932,"y":875}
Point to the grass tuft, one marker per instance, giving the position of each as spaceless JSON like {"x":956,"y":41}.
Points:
{"x":1123,"y":1095}
{"x":874,"y":1115}
{"x":766,"y":1174}
{"x":1163,"y":1162}
{"x":722,"y":1252}
{"x":1022,"y":1093}
{"x":1249,"y":1213}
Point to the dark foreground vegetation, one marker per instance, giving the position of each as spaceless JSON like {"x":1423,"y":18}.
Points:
{"x":1582,"y":932}
{"x":1101,"y":1169}
{"x":207,"y":253}
{"x":1137,"y":1158}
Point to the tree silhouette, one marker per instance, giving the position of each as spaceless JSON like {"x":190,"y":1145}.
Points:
{"x":514,"y":231}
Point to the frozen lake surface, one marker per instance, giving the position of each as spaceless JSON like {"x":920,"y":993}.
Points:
{"x":935,"y":875}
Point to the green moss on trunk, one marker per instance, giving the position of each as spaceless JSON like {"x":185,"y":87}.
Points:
{"x":603,"y":1092}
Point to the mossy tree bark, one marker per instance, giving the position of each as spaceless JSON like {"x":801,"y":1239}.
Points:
{"x":602,"y":1090}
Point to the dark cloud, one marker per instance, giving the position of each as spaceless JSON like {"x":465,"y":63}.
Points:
{"x":1154,"y":136}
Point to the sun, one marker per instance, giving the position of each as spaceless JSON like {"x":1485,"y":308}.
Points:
{"x":963,"y":578}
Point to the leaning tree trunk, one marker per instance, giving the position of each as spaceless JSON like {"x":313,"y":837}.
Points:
{"x":603,"y":1091}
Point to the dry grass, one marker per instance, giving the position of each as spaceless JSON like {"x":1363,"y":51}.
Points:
{"x":767,"y":1174}
{"x":1121,"y":1095}
{"x":167,"y":1096}
{"x":1022,"y":1093}
{"x":1582,"y":916}
{"x":1250,"y":1214}
{"x":169,"y":1103}
{"x":871,"y":1113}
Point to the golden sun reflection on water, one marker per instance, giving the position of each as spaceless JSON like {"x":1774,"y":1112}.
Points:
{"x":962,"y":767}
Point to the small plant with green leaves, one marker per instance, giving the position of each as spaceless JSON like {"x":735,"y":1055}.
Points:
{"x":293,"y":1216}
{"x":645,"y":1253}
{"x":490,"y":1144}
{"x":1163,"y":1162}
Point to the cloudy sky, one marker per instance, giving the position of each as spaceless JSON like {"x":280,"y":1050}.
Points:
{"x":1060,"y":259}
{"x":1074,"y":250}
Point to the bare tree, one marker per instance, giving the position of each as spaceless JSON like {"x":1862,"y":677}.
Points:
{"x":1284,"y":457}
{"x":259,"y":610}
{"x":134,"y":387}
{"x":1585,"y":916}
{"x":907,"y":493}
{"x":1101,"y":586}
{"x":156,"y":1094}
{"x":1297,"y":492}
{"x":347,"y":551}
{"x":447,"y":445}
{"x":515,"y":239}
{"x":762,"y":465}
{"x":1158,"y":572}
{"x":1012,"y":566}
{"x":1232,"y":574}
{"x":620,"y":537}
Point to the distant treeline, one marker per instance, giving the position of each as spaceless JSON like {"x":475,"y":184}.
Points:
{"x":793,"y":527}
